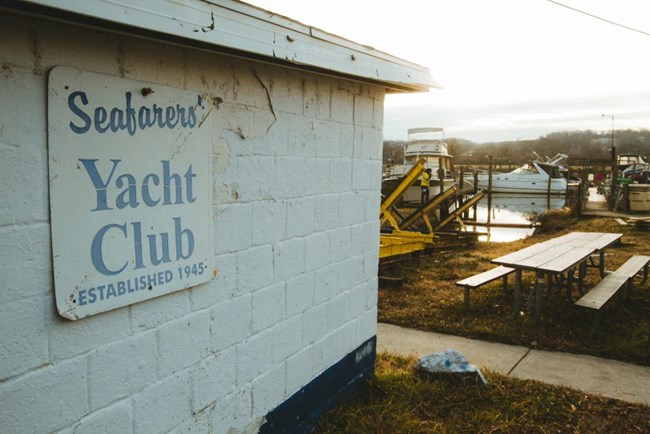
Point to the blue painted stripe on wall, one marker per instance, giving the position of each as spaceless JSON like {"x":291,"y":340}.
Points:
{"x":302,"y":409}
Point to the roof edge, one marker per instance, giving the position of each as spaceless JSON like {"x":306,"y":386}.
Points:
{"x":234,"y":26}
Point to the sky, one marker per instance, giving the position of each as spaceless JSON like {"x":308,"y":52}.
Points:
{"x":509,"y":69}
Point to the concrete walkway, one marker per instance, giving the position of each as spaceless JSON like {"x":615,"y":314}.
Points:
{"x":605,"y":377}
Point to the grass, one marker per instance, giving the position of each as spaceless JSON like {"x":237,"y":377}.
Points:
{"x":397,"y":400}
{"x":429,"y":299}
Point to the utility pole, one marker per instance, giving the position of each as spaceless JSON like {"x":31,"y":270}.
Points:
{"x":612,"y":190}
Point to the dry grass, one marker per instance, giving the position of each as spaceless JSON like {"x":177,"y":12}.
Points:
{"x":398,"y":400}
{"x":430,"y":300}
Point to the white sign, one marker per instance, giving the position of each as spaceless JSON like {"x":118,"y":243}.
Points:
{"x":130,"y":190}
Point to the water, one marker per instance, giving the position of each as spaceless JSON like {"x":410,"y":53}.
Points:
{"x":513,"y":209}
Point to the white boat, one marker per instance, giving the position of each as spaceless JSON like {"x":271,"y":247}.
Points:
{"x":427,"y":143}
{"x":531,"y":178}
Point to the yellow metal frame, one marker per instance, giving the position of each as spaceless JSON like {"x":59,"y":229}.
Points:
{"x":401,"y":241}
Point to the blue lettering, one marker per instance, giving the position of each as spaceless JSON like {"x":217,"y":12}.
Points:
{"x":100,"y":288}
{"x":153,"y":249}
{"x":92,"y":297}
{"x":96,"y":250}
{"x":179,"y":232}
{"x":146,"y":196}
{"x":110,"y":291}
{"x":81,"y":296}
{"x":101,"y":116}
{"x":188,"y":184}
{"x":98,"y":183}
{"x":130,"y":114}
{"x":137,"y":245}
{"x":76,"y":110}
{"x":130,"y":192}
{"x":117,"y":120}
{"x":167,"y":180}
{"x":172,"y":121}
{"x":121,"y":287}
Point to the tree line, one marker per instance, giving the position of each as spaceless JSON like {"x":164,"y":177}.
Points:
{"x":583,"y":144}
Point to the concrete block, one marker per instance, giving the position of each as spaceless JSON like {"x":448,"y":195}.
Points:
{"x":164,"y":405}
{"x":152,"y":313}
{"x":23,"y":341}
{"x":255,"y":268}
{"x":231,"y":322}
{"x":26,"y":262}
{"x":211,"y":73}
{"x":325,"y":353}
{"x":233,"y":413}
{"x":372,"y":200}
{"x":299,"y":294}
{"x":53,"y":42}
{"x":254,"y":357}
{"x":300,"y":217}
{"x":213,"y":378}
{"x":326,"y":214}
{"x":18,"y":39}
{"x":183,"y":342}
{"x":314,"y":324}
{"x":342,"y":105}
{"x":302,"y":140}
{"x":222,"y":288}
{"x":378,"y":112}
{"x":340,"y":175}
{"x":346,"y":338}
{"x":245,"y":123}
{"x":347,"y":141}
{"x":364,"y":111}
{"x":318,"y":181}
{"x":289,"y":177}
{"x":340,"y":244}
{"x":228,"y":218}
{"x":29,"y":406}
{"x":268,"y":391}
{"x":349,"y":272}
{"x":200,"y":423}
{"x":253,"y":184}
{"x":269,"y":221}
{"x":116,"y":418}
{"x":338,"y":311}
{"x":362,"y":178}
{"x":69,"y":338}
{"x":359,"y":300}
{"x":351,"y":208}
{"x":23,"y":153}
{"x":327,"y":136}
{"x":287,"y":338}
{"x":317,"y":251}
{"x":367,"y":325}
{"x":275,"y":141}
{"x":288,"y":259}
{"x":326,"y":283}
{"x":252,"y":85}
{"x":316,"y":97}
{"x":286,"y":97}
{"x":153,"y":62}
{"x":299,"y":371}
{"x":121,"y":369}
{"x":268,"y":307}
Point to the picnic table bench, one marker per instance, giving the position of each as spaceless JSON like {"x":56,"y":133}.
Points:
{"x":600,"y":294}
{"x":488,"y":276}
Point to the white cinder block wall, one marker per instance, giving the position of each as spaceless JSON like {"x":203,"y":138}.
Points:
{"x":297,"y":165}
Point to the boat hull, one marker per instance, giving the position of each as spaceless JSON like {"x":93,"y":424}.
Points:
{"x":501,"y":184}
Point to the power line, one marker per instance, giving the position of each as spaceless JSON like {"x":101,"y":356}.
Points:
{"x":599,"y":18}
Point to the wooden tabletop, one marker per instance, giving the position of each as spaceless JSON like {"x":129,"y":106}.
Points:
{"x":559,"y":254}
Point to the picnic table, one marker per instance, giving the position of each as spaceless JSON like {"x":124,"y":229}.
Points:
{"x":558,"y":257}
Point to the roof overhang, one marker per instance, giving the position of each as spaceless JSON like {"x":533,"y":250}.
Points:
{"x":238,"y":29}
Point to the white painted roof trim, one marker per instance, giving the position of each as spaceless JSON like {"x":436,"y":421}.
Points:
{"x":250,"y":30}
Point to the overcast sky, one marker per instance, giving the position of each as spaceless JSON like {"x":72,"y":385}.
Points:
{"x":509,"y":69}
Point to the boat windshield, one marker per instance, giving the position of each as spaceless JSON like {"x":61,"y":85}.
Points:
{"x":528,"y":169}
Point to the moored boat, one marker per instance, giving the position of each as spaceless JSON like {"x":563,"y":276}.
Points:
{"x":427,"y":143}
{"x":531,"y":178}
